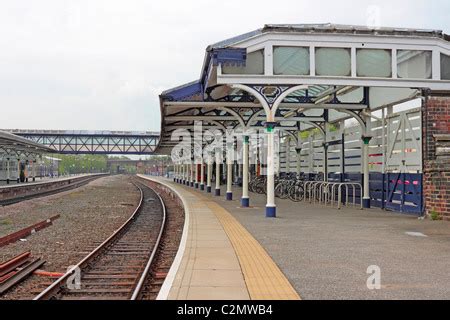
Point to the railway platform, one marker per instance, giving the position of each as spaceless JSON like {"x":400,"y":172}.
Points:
{"x":18,"y":192}
{"x":326,"y":253}
{"x":13,"y":184}
{"x":219,"y":258}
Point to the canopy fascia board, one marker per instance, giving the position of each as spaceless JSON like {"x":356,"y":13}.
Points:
{"x":215,"y":105}
{"x":344,"y":40}
{"x":332,"y":81}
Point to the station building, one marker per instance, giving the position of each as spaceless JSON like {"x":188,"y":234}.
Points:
{"x":347,"y":104}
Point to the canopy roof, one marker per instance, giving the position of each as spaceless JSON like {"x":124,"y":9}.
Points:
{"x":413,"y":59}
{"x":12,"y":145}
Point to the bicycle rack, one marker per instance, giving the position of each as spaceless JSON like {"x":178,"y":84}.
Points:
{"x":323,"y":192}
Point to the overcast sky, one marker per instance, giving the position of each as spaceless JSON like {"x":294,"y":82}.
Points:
{"x":98,"y":64}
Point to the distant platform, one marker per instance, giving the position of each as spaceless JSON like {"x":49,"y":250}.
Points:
{"x":14,"y":184}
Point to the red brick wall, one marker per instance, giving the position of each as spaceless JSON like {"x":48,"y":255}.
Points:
{"x":436,"y":184}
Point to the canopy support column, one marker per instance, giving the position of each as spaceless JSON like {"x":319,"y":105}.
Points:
{"x":298,"y":150}
{"x":202,"y":175}
{"x":288,"y":155}
{"x":191,"y":184}
{"x":18,"y":170}
{"x":33,"y":170}
{"x":229,"y":195}
{"x":366,"y":175}
{"x":245,"y":200}
{"x":196,"y":175}
{"x":209,"y":173}
{"x":7,"y":171}
{"x":218,"y":161}
{"x":271,"y":209}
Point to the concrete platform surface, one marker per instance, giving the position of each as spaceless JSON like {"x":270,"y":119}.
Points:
{"x":325,"y":253}
{"x":221,"y":259}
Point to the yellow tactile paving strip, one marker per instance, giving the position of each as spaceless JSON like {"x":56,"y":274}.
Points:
{"x":263,"y":278}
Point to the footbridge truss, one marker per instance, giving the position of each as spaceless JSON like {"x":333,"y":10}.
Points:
{"x":93,"y":142}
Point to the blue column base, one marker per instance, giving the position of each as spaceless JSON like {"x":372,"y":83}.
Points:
{"x":271,"y":212}
{"x":191,"y":184}
{"x":196,"y":185}
{"x":208,"y":189}
{"x":245,"y":202}
{"x":366,"y":203}
{"x":229,"y":196}
{"x":202,"y":187}
{"x":217,"y":193}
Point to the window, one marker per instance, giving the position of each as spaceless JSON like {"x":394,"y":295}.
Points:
{"x":333,"y":62}
{"x":373,"y":63}
{"x":254,"y":65}
{"x":445,"y":67}
{"x":414,"y":64}
{"x":290,"y":61}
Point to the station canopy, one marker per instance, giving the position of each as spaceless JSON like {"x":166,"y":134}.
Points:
{"x":15,"y":147}
{"x":321,"y":72}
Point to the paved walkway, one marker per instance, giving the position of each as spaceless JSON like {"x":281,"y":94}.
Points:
{"x":325,"y":253}
{"x":221,"y":259}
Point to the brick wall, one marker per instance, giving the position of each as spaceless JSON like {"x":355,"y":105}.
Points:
{"x":436,"y":144}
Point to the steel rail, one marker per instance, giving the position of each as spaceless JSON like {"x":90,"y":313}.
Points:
{"x":145,"y":274}
{"x":55,"y":287}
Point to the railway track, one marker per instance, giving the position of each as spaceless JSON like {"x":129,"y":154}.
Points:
{"x":68,"y":187}
{"x":120,"y":268}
